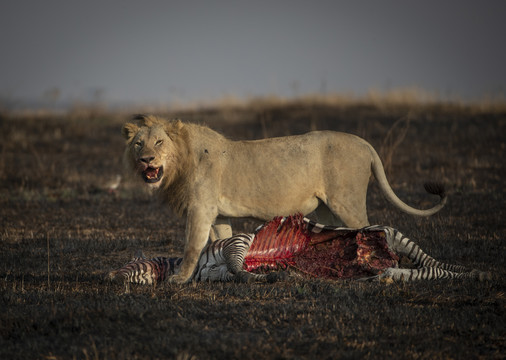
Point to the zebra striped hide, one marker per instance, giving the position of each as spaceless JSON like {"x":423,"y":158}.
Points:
{"x":296,"y":243}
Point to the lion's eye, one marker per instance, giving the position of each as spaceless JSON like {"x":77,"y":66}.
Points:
{"x":138,"y":144}
{"x":159,"y":142}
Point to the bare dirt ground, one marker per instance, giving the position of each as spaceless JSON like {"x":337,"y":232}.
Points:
{"x":61,"y":231}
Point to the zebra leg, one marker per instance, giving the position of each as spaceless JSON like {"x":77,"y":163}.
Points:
{"x":431,"y":273}
{"x":403,"y":246}
{"x":234,"y":251}
{"x":244,"y":276}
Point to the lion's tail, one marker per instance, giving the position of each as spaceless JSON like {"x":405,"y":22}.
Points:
{"x":432,"y":188}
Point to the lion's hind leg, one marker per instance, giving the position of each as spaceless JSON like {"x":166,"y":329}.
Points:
{"x":325,"y":216}
{"x":350,"y":209}
{"x":349,"y":215}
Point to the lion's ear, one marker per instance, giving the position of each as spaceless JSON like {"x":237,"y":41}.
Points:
{"x":173,"y":127}
{"x":129,"y":130}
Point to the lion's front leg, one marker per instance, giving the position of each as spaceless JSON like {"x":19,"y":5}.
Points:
{"x":198,"y":225}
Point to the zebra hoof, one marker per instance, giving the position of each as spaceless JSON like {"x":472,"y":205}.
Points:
{"x":482,"y":275}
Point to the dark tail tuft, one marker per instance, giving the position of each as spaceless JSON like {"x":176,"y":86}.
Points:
{"x":435,"y":188}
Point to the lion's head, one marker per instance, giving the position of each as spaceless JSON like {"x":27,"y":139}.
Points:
{"x":153,"y":150}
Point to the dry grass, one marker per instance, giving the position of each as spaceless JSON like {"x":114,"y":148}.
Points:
{"x":402,"y":98}
{"x":53,"y":206}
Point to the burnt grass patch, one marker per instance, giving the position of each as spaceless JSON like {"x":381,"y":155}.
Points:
{"x":62,"y":230}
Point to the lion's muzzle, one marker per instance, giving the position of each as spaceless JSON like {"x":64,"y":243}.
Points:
{"x":150,"y":174}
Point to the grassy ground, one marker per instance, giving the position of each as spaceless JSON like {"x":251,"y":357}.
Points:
{"x":61,"y":231}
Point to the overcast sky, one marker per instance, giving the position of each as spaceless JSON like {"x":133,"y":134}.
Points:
{"x":165,"y":51}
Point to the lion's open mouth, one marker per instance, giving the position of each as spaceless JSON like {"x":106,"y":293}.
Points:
{"x":152,"y":175}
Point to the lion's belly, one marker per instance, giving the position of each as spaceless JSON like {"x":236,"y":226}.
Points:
{"x":267,"y":207}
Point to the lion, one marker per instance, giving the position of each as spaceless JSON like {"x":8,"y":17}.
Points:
{"x":209,"y":178}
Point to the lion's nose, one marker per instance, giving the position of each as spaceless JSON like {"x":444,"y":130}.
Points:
{"x":147,"y":159}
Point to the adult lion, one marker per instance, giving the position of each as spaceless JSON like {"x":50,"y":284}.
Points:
{"x":210,"y":178}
